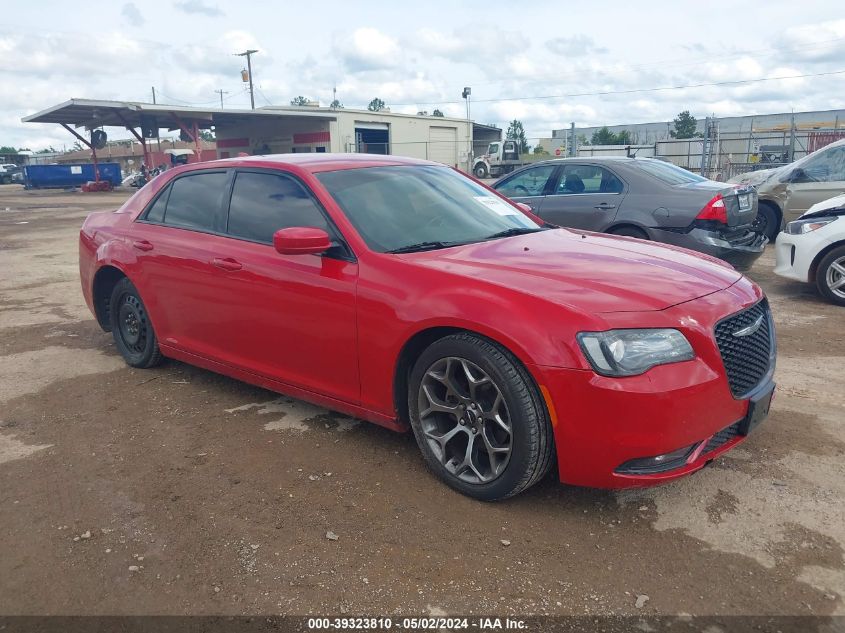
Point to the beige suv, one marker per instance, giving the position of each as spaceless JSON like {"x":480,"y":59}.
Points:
{"x":786,"y":192}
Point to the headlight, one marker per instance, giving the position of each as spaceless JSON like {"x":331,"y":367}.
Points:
{"x":632,"y":352}
{"x":799,"y":227}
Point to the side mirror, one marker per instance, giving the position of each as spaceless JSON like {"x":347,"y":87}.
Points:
{"x":301,"y":240}
{"x":526,"y":208}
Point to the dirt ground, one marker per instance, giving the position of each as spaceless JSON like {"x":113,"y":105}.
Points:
{"x":179,"y":491}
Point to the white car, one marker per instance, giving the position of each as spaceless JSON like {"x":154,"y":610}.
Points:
{"x":812,"y":249}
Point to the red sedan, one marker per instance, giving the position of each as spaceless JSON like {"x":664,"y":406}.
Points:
{"x":403,"y":292}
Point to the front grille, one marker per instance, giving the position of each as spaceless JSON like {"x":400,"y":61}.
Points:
{"x":722,"y":437}
{"x":747,"y":359}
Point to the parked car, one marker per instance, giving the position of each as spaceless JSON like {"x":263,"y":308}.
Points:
{"x":7,"y":173}
{"x":644,"y":198}
{"x":786,"y":192}
{"x":812,"y":249}
{"x":405,"y":293}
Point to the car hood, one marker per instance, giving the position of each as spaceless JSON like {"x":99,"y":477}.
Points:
{"x":587,"y":271}
{"x":831,"y":206}
{"x":754,"y":177}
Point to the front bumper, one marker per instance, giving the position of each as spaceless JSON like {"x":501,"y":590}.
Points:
{"x":795,"y":254}
{"x":602,"y":423}
{"x":740,"y":249}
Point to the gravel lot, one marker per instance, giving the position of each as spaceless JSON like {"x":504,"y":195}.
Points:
{"x":175,"y":490}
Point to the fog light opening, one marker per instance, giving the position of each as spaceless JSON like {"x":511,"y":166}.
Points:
{"x":657,"y":463}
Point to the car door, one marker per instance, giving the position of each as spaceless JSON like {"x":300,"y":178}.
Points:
{"x":176,"y":241}
{"x":528,"y":186}
{"x":821,"y":177}
{"x":584,"y":196}
{"x":288,"y":317}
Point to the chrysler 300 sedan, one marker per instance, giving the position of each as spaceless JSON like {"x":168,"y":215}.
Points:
{"x":405,"y":293}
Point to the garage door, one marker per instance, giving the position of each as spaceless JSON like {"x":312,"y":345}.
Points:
{"x":443,"y":145}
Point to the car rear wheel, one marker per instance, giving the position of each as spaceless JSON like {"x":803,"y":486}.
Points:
{"x":766,"y":223}
{"x":830,"y":276}
{"x":629,"y":231}
{"x":131,"y":327}
{"x":478,"y":419}
{"x":480,"y":171}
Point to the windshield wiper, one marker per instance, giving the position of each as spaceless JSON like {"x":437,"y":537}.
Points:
{"x":523,"y":230}
{"x":422,"y":246}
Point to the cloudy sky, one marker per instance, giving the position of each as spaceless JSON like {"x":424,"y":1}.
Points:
{"x":543,"y":62}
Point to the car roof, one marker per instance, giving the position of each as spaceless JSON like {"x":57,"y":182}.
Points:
{"x":317,"y":162}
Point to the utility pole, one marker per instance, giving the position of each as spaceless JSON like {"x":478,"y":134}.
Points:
{"x":248,"y":54}
{"x":221,"y":92}
{"x":466,"y":94}
{"x":154,"y":94}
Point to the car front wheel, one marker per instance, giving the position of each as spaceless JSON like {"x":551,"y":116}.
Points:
{"x":478,"y":419}
{"x":830,"y":276}
{"x":131,"y":327}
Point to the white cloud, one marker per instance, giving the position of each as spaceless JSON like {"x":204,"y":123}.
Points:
{"x":367,"y":48}
{"x":198,"y":7}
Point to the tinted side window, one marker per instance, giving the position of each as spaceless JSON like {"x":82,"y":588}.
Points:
{"x":264,"y":203}
{"x":194,"y":201}
{"x":531,"y":182}
{"x":156,"y":212}
{"x":588,"y":179}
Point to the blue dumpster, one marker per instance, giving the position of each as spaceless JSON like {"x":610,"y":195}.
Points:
{"x":63,"y":176}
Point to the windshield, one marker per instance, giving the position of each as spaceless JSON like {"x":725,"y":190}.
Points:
{"x":398,"y":207}
{"x":667,"y":172}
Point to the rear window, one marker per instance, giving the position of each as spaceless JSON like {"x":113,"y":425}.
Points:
{"x":667,"y":172}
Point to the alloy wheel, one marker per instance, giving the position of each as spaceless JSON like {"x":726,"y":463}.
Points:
{"x":465,"y":420}
{"x":835,"y":277}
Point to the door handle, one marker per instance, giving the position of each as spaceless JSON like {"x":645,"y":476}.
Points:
{"x":227,"y":263}
{"x":142,"y":245}
{"x":604,"y":206}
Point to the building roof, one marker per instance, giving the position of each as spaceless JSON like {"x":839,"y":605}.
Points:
{"x":92,"y":114}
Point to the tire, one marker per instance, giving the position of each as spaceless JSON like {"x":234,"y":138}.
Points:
{"x":480,"y":171}
{"x":767,"y":222}
{"x":629,"y":231}
{"x":131,"y":327}
{"x":831,"y":270}
{"x":504,"y":458}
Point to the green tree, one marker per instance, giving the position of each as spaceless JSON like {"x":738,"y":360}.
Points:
{"x":539,"y":151}
{"x":47,"y":150}
{"x":6,"y":149}
{"x":299,"y":101}
{"x":516,"y":132}
{"x":208,"y":136}
{"x":685,"y":126}
{"x":376,"y":105}
{"x":336,"y":105}
{"x":437,"y":112}
{"x":603,"y":136}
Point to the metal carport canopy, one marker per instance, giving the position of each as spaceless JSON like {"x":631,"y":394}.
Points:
{"x":91,"y":114}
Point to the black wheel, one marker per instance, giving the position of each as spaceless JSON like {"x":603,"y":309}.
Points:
{"x":480,"y":171}
{"x":830,"y":276}
{"x":629,"y":231}
{"x":131,"y":327}
{"x":767,"y":222}
{"x":478,"y":419}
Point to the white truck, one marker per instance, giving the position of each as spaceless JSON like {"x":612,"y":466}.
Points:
{"x":502,"y":157}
